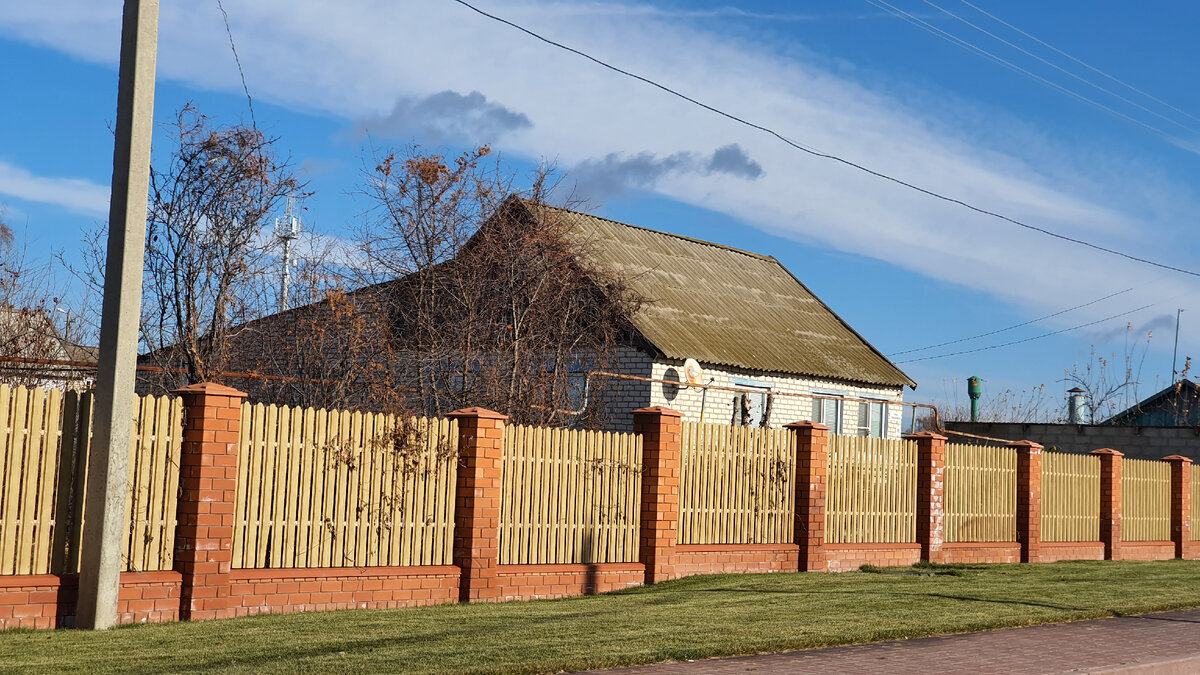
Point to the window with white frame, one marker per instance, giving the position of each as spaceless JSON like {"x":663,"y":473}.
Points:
{"x":872,"y":419}
{"x":828,"y":411}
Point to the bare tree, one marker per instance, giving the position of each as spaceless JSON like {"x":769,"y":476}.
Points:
{"x":205,"y":256}
{"x":470,"y":295}
{"x":1110,"y":384}
{"x":33,"y":333}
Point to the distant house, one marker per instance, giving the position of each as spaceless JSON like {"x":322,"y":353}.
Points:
{"x":1167,"y":423}
{"x":771,"y":352}
{"x":1176,"y":406}
{"x":29,"y":347}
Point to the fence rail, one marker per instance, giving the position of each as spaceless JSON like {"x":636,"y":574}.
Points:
{"x":736,"y":485}
{"x":980,"y":493}
{"x":871,"y":491}
{"x":335,"y":488}
{"x":1070,"y":497}
{"x":45,"y":440}
{"x":1145,"y":500}
{"x":569,"y":496}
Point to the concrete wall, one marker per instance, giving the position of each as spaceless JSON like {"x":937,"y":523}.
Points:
{"x":1135,"y":442}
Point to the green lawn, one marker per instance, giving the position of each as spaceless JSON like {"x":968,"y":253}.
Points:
{"x":685,"y":619}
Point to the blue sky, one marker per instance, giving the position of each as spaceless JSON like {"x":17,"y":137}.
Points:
{"x":845,"y":77}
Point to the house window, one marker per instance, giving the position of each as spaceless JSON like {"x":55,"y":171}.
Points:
{"x":828,"y":411}
{"x":871,"y":419}
{"x":751,"y":408}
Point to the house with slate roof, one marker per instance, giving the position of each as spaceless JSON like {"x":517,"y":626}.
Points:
{"x":770,"y":350}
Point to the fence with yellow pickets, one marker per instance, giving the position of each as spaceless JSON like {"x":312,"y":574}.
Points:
{"x":1070,"y":497}
{"x":45,"y":439}
{"x":335,"y":488}
{"x":1195,"y":504}
{"x":569,"y":496}
{"x":980,"y":493}
{"x":871,"y":491}
{"x":736,"y":485}
{"x":1145,"y":500}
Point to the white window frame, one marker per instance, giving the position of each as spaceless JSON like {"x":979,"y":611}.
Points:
{"x":818,"y":409}
{"x":865,"y":427}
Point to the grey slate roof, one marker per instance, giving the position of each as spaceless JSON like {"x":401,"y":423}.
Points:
{"x":723,"y":306}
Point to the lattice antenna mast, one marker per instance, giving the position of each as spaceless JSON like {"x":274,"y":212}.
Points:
{"x":287,"y":231}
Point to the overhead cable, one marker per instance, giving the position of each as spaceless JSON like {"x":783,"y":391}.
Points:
{"x":954,"y":39}
{"x":1019,"y":325}
{"x":1029,"y":339}
{"x":824,"y":155}
{"x":1090,"y":67}
{"x":1060,"y":68}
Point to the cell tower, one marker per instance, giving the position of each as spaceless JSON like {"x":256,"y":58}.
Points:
{"x":287,"y":231}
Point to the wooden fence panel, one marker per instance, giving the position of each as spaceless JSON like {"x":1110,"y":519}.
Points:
{"x":871,"y":491}
{"x":335,"y":488}
{"x":1070,"y":497}
{"x":45,"y":439}
{"x":1145,"y":500}
{"x":735,"y":485}
{"x":980,"y":493}
{"x":569,"y":496}
{"x":1195,"y":528}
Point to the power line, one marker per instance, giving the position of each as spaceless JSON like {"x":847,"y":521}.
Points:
{"x":1020,"y":325}
{"x":238,"y":61}
{"x":823,"y":155}
{"x":955,"y":40}
{"x":1029,"y":339}
{"x":1060,"y":68}
{"x":1090,"y":67}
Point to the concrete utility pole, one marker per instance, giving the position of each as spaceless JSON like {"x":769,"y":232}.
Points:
{"x":104,"y":510}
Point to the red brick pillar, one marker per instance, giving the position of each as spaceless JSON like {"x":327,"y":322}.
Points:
{"x":1181,"y":503}
{"x":812,"y":464}
{"x":477,"y":503}
{"x":1110,"y":501}
{"x":207,"y":485}
{"x":1029,"y":499}
{"x":931,"y":483}
{"x":660,"y":429}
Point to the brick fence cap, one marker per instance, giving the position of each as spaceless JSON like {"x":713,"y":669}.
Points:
{"x":1107,"y":451}
{"x":658,"y":410}
{"x":806,"y":424}
{"x":1177,"y":458}
{"x":211,"y":389}
{"x":1026,"y":444}
{"x":926,"y":434}
{"x":476,"y":411}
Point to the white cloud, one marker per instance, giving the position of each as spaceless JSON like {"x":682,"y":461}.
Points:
{"x":357,"y":59}
{"x":74,"y":194}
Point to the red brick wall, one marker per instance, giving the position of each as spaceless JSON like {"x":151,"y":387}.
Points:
{"x":1073,"y":550}
{"x":1147,"y":550}
{"x":529,"y":582}
{"x":981,"y":552}
{"x":48,"y":600}
{"x":850,"y":557}
{"x":317,"y":590}
{"x":735,"y":558}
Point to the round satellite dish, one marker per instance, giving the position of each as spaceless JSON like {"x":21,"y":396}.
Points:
{"x":693,"y":373}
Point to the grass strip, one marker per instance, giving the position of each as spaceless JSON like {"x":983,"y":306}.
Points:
{"x":694,"y":618}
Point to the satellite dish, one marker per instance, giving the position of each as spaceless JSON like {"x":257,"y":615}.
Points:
{"x":693,"y":373}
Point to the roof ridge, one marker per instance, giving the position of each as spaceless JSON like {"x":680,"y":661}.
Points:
{"x":693,"y":240}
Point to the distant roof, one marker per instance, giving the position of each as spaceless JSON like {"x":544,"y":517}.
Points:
{"x":1184,"y":387}
{"x":724,"y":306}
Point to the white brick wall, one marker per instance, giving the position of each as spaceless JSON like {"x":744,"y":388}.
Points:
{"x":719,"y":405}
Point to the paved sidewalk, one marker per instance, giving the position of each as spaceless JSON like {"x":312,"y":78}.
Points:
{"x":1167,"y":643}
